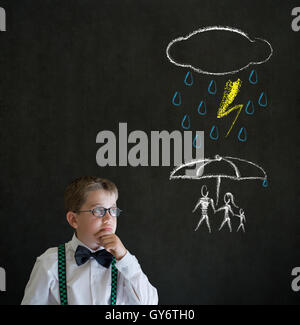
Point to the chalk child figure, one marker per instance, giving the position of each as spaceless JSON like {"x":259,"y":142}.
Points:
{"x":242,"y":217}
{"x":204,"y":201}
{"x":227,"y":208}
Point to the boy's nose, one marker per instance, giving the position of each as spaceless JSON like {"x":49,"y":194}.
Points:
{"x":107,"y":216}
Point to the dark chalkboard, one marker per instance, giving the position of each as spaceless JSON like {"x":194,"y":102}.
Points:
{"x":73,"y":69}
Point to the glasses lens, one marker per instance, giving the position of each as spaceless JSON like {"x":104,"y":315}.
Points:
{"x":98,"y":212}
{"x":115,"y":212}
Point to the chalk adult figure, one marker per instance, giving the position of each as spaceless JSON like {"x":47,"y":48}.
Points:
{"x":242,"y":217}
{"x":228,"y":197}
{"x":204,"y":201}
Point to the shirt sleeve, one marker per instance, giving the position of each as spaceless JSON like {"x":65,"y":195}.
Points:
{"x":37,"y":291}
{"x":139,"y":289}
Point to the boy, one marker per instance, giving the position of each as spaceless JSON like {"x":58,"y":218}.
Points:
{"x":93,"y":258}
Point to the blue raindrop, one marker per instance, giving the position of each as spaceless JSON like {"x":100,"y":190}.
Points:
{"x":176,"y":100}
{"x":214,"y":133}
{"x":242,"y":135}
{"x":249,"y":108}
{"x":253,"y":77}
{"x":195,"y":142}
{"x":263,"y":101}
{"x":188,"y":124}
{"x":212,"y":88}
{"x":202,"y":108}
{"x":189,"y":80}
{"x":265,"y":183}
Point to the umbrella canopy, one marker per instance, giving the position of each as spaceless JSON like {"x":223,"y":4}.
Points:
{"x":235,"y":170}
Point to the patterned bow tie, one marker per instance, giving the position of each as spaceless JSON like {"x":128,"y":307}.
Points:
{"x":102,"y":256}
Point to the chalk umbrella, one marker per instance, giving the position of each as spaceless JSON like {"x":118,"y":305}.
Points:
{"x":233,"y":172}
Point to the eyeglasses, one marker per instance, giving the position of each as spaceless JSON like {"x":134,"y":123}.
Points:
{"x":100,"y":211}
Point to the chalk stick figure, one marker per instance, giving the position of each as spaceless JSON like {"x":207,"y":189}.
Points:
{"x":228,"y":197}
{"x":204,"y":202}
{"x":242,"y":217}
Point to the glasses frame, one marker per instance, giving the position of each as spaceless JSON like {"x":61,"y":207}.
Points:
{"x":105,"y":209}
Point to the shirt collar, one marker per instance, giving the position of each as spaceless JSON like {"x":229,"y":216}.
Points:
{"x":75,"y":242}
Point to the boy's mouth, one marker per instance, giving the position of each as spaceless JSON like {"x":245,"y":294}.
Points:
{"x":108,"y":228}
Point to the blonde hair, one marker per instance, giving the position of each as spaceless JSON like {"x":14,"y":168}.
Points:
{"x":76,"y":192}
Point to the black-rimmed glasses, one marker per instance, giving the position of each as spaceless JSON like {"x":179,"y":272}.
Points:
{"x":101,"y":211}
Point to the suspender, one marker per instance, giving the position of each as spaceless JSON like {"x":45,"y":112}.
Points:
{"x":62,"y":275}
{"x":63,"y":279}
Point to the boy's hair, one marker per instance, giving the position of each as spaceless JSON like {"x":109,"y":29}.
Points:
{"x":76,"y":192}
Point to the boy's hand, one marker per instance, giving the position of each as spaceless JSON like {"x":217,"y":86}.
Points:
{"x":112,"y":243}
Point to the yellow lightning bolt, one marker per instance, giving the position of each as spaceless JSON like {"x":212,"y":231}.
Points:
{"x":230,"y":92}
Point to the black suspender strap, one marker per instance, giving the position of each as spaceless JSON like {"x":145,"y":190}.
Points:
{"x":62,"y":278}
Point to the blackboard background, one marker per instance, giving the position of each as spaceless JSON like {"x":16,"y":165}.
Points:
{"x":70,"y":69}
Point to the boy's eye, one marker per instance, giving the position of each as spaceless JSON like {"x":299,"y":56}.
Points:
{"x":99,"y":211}
{"x":114,"y":211}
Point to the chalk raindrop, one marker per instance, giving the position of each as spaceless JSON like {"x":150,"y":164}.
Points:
{"x":242,"y":135}
{"x":186,"y":122}
{"x":212,"y":88}
{"x":202,"y":108}
{"x":214,"y":133}
{"x":249,"y":108}
{"x":253,"y":77}
{"x":263,"y":100}
{"x":195,"y":145}
{"x":189,"y":80}
{"x":176,"y":100}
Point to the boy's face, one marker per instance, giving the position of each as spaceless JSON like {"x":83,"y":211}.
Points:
{"x":87,"y":225}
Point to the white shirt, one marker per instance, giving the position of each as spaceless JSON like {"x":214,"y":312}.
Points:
{"x":89,"y":283}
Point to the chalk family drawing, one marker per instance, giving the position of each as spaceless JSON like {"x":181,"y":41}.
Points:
{"x":225,"y":108}
{"x":256,"y":172}
{"x":204,"y":203}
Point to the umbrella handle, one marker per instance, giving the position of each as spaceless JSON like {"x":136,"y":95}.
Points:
{"x":218,"y":189}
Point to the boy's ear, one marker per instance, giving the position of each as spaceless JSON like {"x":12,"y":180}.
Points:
{"x":72,"y":219}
